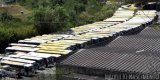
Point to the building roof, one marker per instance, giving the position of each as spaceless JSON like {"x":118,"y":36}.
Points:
{"x":134,"y":53}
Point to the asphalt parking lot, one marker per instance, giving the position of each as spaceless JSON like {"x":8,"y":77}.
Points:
{"x":47,"y":74}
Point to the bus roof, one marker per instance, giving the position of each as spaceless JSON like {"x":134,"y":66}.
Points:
{"x":28,"y":65}
{"x":12,"y":63}
{"x":54,"y":52}
{"x":15,"y":56}
{"x":35,"y":53}
{"x":30,"y":57}
{"x":25,"y":57}
{"x":17,"y":48}
{"x":32,"y":41}
{"x":25,"y":45}
{"x":53,"y":47}
{"x":19,"y":60}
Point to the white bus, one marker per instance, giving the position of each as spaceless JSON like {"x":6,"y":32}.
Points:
{"x":21,"y":68}
{"x":20,"y":48}
{"x":49,"y":57}
{"x":22,"y":61}
{"x":23,"y":45}
{"x":39,"y":61}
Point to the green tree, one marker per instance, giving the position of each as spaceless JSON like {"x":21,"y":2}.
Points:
{"x":48,"y":20}
{"x":43,"y":20}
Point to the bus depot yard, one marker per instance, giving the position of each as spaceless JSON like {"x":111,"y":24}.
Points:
{"x":38,"y":53}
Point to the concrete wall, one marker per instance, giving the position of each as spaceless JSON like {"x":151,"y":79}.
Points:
{"x":70,"y":70}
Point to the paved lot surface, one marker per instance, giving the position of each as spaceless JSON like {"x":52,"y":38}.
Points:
{"x":47,"y":74}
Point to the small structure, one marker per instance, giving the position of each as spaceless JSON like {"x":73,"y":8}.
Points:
{"x":22,"y":12}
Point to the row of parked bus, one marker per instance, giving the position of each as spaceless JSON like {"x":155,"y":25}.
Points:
{"x":27,"y":63}
{"x":36,"y":53}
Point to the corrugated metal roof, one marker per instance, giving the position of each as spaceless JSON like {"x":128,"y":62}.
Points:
{"x":147,"y":40}
{"x":112,"y":61}
{"x":135,"y":53}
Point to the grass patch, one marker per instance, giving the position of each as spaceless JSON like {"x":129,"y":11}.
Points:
{"x":15,"y":11}
{"x":156,"y":26}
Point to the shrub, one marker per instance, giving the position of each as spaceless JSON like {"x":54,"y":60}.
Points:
{"x":5,"y":37}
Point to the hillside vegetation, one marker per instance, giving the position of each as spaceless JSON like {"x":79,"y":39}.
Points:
{"x":27,"y":18}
